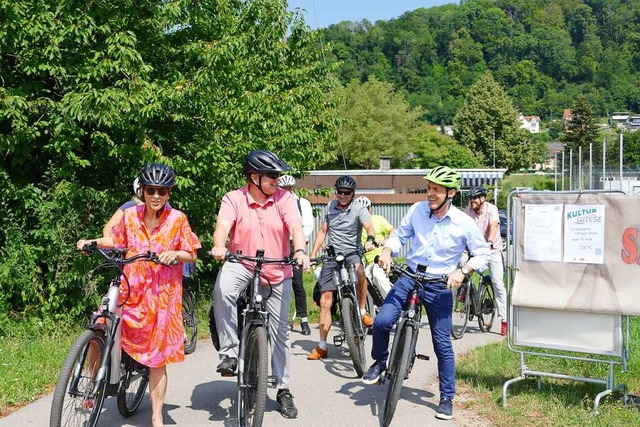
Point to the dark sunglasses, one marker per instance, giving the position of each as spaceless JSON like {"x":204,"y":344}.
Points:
{"x":344,"y":193}
{"x":474,"y":197}
{"x":272,"y":175}
{"x":161,"y":191}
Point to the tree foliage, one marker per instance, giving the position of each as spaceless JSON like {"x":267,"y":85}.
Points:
{"x":581,"y":129}
{"x":487,"y":124}
{"x":91,"y":91}
{"x":544,"y":53}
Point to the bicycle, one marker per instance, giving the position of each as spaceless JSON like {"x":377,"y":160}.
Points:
{"x":469,"y":302}
{"x":403,"y":351}
{"x":253,"y":331}
{"x":353,"y":330}
{"x":189,"y":319}
{"x":96,"y":366}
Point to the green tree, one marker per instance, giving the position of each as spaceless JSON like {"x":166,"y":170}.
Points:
{"x":378,"y":121}
{"x":581,"y":129}
{"x":91,"y":91}
{"x":487,"y":124}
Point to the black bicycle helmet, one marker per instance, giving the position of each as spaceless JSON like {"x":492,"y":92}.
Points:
{"x":477,"y":192}
{"x":346,"y":181}
{"x":262,"y":162}
{"x":157,"y":174}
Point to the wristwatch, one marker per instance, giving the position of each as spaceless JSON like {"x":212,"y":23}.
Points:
{"x":300,"y":250}
{"x":465,"y":270}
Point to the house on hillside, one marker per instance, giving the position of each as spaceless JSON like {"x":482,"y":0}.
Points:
{"x":633,"y":123}
{"x":530,"y":123}
{"x":618,"y":120}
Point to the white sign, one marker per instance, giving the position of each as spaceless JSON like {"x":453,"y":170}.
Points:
{"x":542,"y":233}
{"x":584,"y":234}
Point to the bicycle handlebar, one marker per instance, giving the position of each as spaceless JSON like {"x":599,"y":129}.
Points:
{"x":117,"y":255}
{"x":332,"y":256}
{"x":259,"y":259}
{"x":418,"y":277}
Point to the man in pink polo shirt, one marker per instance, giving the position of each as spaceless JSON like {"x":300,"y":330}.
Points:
{"x":260,"y":215}
{"x":488,"y":221}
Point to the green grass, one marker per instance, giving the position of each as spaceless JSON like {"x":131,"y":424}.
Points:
{"x":31,"y":355}
{"x":482,"y":373}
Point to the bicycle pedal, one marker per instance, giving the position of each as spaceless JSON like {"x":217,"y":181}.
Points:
{"x":337,"y":341}
{"x":422,"y":356}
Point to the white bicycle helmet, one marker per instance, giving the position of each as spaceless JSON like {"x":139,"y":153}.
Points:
{"x":363,"y":200}
{"x":286,"y":181}
{"x":136,"y":186}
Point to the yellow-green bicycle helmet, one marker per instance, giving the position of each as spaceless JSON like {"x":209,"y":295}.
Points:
{"x":444,"y":176}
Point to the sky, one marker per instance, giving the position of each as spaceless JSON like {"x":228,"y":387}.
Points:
{"x":327,"y":12}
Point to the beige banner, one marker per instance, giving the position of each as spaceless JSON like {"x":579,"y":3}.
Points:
{"x":612,"y":287}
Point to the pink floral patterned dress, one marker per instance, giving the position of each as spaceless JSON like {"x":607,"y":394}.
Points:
{"x":152,"y":330}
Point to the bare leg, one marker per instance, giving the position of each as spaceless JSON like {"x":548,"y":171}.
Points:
{"x":326,"y":298}
{"x":158,"y":390}
{"x":362,"y":286}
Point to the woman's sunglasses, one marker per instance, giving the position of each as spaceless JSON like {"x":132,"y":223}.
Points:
{"x":344,"y":193}
{"x":162,"y":191}
{"x":272,"y":175}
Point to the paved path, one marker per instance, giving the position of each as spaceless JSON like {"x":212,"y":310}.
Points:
{"x":327,"y":393}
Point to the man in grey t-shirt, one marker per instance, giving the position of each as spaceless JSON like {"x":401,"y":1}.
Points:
{"x":343,"y":223}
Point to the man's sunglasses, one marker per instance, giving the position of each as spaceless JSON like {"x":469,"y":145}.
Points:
{"x":344,"y":193}
{"x":162,"y":191}
{"x":474,"y":197}
{"x":272,"y":175}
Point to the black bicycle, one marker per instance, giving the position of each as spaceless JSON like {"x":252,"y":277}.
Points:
{"x":403,"y":351}
{"x":253,"y":331}
{"x":353,"y":331}
{"x":473,"y":298}
{"x":189,"y":319}
{"x":96,"y":366}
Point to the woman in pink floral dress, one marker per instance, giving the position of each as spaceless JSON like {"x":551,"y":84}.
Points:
{"x":152,"y":330}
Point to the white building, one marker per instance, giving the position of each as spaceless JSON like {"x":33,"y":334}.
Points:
{"x":530,"y":123}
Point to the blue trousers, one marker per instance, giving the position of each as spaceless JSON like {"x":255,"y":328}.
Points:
{"x":438,"y":302}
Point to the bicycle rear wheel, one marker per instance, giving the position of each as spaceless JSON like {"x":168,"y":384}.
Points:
{"x":132,"y":386}
{"x":355,"y":338}
{"x":252,"y":395}
{"x":461,"y":309}
{"x":487,"y":310}
{"x":73,"y":402}
{"x":190,"y":322}
{"x":398,"y":370}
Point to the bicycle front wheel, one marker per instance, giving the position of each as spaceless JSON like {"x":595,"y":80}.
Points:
{"x":190,"y":322}
{"x":487,"y":311}
{"x":74,"y":403}
{"x":355,"y":339}
{"x":252,"y":379}
{"x":132,"y":386}
{"x":398,"y":370}
{"x":461,"y":309}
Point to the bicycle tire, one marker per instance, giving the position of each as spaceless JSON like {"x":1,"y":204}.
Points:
{"x":252,"y":398}
{"x":132,"y":387}
{"x":487,"y":307}
{"x":190,"y":322}
{"x":355,"y":339}
{"x":213,"y":330}
{"x":461,"y":309}
{"x":398,"y":371}
{"x":70,"y":405}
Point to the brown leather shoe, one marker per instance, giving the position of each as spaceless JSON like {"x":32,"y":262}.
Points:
{"x":367,"y":320}
{"x":317,"y":354}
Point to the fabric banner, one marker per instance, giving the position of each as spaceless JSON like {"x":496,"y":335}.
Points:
{"x":584,"y":257}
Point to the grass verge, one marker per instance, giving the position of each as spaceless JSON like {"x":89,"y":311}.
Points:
{"x":482,"y":372}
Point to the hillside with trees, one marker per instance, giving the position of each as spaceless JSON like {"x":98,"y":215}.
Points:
{"x":543,"y":53}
